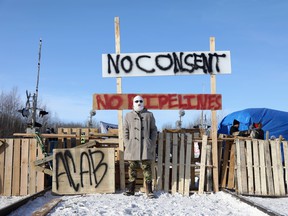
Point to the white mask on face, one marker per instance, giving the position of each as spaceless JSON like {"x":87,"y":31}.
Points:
{"x":138,"y":103}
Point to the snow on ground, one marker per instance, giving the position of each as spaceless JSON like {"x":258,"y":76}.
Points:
{"x":278,"y":205}
{"x":165,"y":204}
{"x":8,"y":200}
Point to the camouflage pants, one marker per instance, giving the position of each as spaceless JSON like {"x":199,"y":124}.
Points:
{"x":145,"y":166}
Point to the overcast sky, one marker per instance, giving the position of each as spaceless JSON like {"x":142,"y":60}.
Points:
{"x":76,"y":33}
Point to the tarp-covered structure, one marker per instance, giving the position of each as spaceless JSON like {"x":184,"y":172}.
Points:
{"x":274,"y":121}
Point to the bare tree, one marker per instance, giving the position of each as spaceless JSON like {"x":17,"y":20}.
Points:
{"x":10,"y":120}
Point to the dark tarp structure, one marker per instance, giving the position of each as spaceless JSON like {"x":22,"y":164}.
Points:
{"x":274,"y":121}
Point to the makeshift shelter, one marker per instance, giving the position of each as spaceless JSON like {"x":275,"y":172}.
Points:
{"x":274,"y":121}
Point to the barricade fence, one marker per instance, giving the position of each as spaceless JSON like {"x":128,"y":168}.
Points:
{"x":183,"y":163}
{"x":255,"y":167}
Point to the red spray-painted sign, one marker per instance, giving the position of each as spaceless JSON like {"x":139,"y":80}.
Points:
{"x":159,"y":101}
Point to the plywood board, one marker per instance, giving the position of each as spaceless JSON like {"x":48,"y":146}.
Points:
{"x":83,"y":170}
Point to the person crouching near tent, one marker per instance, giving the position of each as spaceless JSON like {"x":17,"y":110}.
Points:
{"x":257,"y":131}
{"x":140,"y":134}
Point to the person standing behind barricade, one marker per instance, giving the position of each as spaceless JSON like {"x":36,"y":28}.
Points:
{"x":140,"y":134}
{"x":234,"y":130}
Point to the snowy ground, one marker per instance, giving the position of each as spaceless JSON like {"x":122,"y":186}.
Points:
{"x":165,"y":204}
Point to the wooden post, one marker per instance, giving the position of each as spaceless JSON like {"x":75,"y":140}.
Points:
{"x":120,"y":112}
{"x":214,"y":127}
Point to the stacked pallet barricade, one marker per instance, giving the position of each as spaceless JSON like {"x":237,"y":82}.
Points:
{"x":177,"y":165}
{"x":18,"y":174}
{"x":255,"y":167}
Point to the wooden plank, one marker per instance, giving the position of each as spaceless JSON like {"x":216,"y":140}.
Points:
{"x":24,"y":167}
{"x":181,"y":164}
{"x":44,"y":170}
{"x":280,"y":167}
{"x":231,"y":175}
{"x":86,"y":132}
{"x":154,"y":167}
{"x":241,"y":167}
{"x":270,"y":184}
{"x":187,"y":181}
{"x":238,"y":168}
{"x":60,"y":140}
{"x":16,"y":168}
{"x":192,"y":168}
{"x":68,"y":139}
{"x":262,"y":168}
{"x":45,"y":209}
{"x":78,"y":135}
{"x":174,"y":163}
{"x":32,"y":170}
{"x":275,"y":167}
{"x":209,"y":182}
{"x":167,"y":162}
{"x":203,"y":164}
{"x":43,"y":160}
{"x":40,"y":176}
{"x":224,"y":172}
{"x":8,"y":168}
{"x":160,"y":163}
{"x":2,"y":164}
{"x":107,"y":141}
{"x":285,"y":149}
{"x":59,"y":135}
{"x":256,"y":167}
{"x":250,"y":167}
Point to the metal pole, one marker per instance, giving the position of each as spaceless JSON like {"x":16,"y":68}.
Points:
{"x":35,"y":96}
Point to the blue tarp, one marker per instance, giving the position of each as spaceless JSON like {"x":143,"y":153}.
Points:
{"x":274,"y":121}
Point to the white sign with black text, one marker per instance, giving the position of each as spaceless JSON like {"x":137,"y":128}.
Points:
{"x":165,"y":64}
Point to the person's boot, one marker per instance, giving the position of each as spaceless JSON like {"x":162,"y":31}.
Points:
{"x":130,"y":189}
{"x":149,"y":190}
